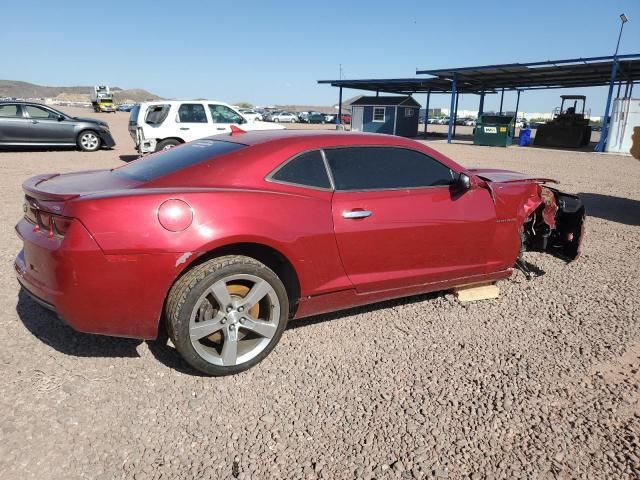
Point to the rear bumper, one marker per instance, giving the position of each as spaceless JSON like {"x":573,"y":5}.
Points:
{"x":118,"y":295}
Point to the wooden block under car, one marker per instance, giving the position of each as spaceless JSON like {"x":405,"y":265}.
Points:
{"x":477,"y":292}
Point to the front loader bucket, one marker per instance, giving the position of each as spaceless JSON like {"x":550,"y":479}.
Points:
{"x":567,"y":136}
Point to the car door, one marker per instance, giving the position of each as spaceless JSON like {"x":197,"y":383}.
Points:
{"x":46,"y":126}
{"x":14,"y":127}
{"x":192,"y":121}
{"x":400,"y":222}
{"x":222,"y":117}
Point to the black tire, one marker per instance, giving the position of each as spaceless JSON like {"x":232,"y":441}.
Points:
{"x":167,"y":144}
{"x":89,"y":141}
{"x":189,"y":289}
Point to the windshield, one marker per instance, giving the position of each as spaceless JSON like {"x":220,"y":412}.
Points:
{"x":177,"y":158}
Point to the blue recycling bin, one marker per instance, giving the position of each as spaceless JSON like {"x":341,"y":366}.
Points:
{"x":525,"y":137}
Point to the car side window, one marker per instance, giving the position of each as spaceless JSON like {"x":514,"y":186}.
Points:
{"x":192,"y":113}
{"x":307,"y":169}
{"x":223,"y":114}
{"x":38,"y":112}
{"x":10,"y":111}
{"x":380,"y":168}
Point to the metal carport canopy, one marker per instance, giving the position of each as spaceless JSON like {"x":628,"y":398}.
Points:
{"x":570,"y":73}
{"x":404,"y":86}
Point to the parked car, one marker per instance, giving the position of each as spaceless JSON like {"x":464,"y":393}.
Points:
{"x":33,"y":124}
{"x":345,"y":118}
{"x":125,"y":107}
{"x":316,"y":118}
{"x":470,"y":122}
{"x":281,"y":225}
{"x":284,"y":117}
{"x":251,"y":115}
{"x":268,"y":115}
{"x":164,"y":124}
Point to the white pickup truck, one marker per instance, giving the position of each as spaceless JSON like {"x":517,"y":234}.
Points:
{"x":161,"y":125}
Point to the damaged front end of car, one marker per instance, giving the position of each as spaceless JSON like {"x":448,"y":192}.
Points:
{"x":556,"y":225}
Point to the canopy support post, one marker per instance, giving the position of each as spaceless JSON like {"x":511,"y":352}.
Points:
{"x":605,"y":118}
{"x":339,"y":119}
{"x":452,"y":106}
{"x":515,"y":119}
{"x":455,"y":115}
{"x":426,"y":113}
{"x":501,"y":101}
{"x":481,"y":107}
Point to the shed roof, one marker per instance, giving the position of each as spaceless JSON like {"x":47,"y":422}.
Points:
{"x":386,"y":101}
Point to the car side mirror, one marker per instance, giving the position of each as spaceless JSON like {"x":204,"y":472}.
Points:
{"x":463,"y":182}
{"x":60,"y":118}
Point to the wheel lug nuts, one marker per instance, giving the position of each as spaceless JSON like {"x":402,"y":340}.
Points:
{"x":229,"y":309}
{"x":232,"y":327}
{"x":242,"y":320}
{"x":224,"y":320}
{"x":240,"y":309}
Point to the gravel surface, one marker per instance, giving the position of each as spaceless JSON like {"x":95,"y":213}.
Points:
{"x":542,"y":382}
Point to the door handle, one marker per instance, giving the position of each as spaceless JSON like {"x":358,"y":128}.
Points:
{"x":34,"y":121}
{"x":184,"y":128}
{"x":220,"y":128}
{"x":355,"y":214}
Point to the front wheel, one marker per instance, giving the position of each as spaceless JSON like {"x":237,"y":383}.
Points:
{"x":227,"y":314}
{"x":89,"y":141}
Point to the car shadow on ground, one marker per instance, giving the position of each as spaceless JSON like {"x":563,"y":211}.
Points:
{"x":49,"y":329}
{"x":129,"y":158}
{"x":35,"y":148}
{"x":615,"y":209}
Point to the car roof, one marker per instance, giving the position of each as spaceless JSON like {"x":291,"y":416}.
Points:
{"x":316,"y":138}
{"x":23,"y":102}
{"x":176,"y":102}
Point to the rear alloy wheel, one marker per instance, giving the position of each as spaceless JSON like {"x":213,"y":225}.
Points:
{"x":89,"y":141}
{"x":166,"y":144}
{"x":226,"y":315}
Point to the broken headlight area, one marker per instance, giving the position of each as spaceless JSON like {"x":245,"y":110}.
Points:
{"x":556,"y":226}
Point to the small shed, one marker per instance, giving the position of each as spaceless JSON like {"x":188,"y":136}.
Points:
{"x":393,"y":115}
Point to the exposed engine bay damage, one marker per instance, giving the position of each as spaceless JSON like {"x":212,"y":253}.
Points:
{"x":556,"y":226}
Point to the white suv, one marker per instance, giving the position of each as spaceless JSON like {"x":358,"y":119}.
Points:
{"x":161,"y":125}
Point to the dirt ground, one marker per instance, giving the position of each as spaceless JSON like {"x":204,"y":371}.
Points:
{"x":542,"y":382}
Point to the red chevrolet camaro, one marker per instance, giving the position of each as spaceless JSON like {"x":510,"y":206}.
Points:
{"x":221,"y":241}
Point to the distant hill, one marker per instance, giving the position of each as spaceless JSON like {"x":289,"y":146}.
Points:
{"x":17,"y":89}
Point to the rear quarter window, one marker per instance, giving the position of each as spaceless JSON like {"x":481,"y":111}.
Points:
{"x":306,"y":170}
{"x":156,"y":114}
{"x":180,"y":157}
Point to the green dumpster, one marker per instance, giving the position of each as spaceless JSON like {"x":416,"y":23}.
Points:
{"x":495,"y":130}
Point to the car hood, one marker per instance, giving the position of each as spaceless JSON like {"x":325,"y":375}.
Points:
{"x":90,"y":120}
{"x":496,"y":175}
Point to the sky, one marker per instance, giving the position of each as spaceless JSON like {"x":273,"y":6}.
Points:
{"x":269,"y":52}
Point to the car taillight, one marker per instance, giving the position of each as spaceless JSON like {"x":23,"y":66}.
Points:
{"x":61,"y":224}
{"x":175,"y":215}
{"x":46,"y":222}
